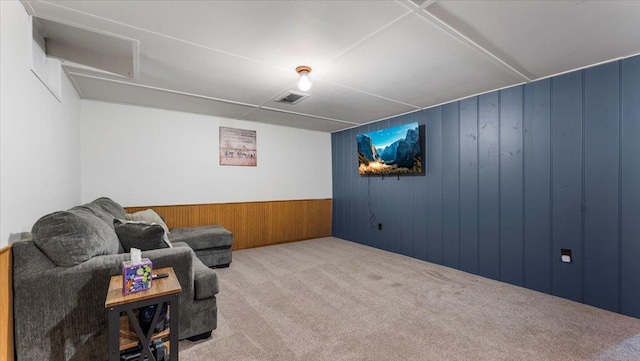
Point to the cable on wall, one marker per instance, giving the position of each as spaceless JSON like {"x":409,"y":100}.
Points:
{"x":372,"y":216}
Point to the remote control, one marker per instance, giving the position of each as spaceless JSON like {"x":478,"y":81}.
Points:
{"x":159,"y":275}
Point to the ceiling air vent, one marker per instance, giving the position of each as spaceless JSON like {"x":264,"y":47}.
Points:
{"x":291,"y":97}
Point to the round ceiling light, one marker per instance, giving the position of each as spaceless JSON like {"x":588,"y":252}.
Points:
{"x":304,"y":81}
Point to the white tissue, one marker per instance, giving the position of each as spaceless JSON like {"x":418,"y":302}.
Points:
{"x":136,"y":256}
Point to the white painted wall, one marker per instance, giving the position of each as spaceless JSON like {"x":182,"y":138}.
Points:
{"x":142,"y":156}
{"x":39,"y":136}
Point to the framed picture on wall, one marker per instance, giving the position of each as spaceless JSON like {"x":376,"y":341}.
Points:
{"x":238,"y":147}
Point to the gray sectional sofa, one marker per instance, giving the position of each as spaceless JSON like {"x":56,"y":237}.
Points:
{"x":61,"y":275}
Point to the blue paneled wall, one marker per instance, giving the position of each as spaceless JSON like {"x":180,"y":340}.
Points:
{"x":512,"y":177}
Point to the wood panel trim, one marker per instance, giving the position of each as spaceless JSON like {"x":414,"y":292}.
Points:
{"x":6,"y":304}
{"x":254,"y":224}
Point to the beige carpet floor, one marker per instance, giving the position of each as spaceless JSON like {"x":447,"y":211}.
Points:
{"x":330,"y":299}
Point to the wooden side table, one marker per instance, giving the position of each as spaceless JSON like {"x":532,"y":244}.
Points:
{"x":125,"y":331}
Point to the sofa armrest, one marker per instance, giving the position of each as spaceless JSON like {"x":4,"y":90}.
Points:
{"x":181,"y":259}
{"x":57,"y":309}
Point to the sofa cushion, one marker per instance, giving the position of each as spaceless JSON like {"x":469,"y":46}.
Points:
{"x":202,"y":237}
{"x":112,"y":207}
{"x":149,"y":216}
{"x":69,"y":238}
{"x":141,"y":235}
{"x":97,"y":211}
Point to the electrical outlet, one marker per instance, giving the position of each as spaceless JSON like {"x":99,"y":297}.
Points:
{"x":565,"y":255}
{"x":379,"y":226}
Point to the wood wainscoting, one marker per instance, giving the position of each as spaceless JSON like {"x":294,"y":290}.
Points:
{"x":254,"y":224}
{"x":6,"y":304}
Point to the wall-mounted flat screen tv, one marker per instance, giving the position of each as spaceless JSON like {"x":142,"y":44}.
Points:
{"x":395,"y":150}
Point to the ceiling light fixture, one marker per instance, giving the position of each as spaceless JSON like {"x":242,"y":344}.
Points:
{"x":304,"y":81}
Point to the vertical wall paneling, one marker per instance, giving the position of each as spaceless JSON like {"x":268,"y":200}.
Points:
{"x":6,"y":304}
{"x":344,"y":190}
{"x":335,"y":177}
{"x":434,"y":185}
{"x":516,"y":175}
{"x":344,"y":185}
{"x":469,"y":185}
{"x":405,"y":245}
{"x":420,"y":196}
{"x":271,"y":218}
{"x":371,"y":199}
{"x":255,"y":224}
{"x":450,"y":186}
{"x":567,"y":184}
{"x":489,"y":185}
{"x":601,"y":156}
{"x":392,"y":229}
{"x":361,"y":216}
{"x":537,"y":186}
{"x":511,"y":187}
{"x":406,"y":206}
{"x":376,"y":205}
{"x":350,"y":177}
{"x":630,"y":192}
{"x":255,"y":213}
{"x":356,"y":192}
{"x":339,"y":185}
{"x":384,"y":211}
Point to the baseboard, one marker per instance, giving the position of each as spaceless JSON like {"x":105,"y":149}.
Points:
{"x":254,"y":224}
{"x":6,"y":304}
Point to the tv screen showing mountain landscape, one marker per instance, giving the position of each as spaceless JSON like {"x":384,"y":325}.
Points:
{"x":393,"y":150}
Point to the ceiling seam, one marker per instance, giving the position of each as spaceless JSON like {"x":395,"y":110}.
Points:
{"x":277,"y":94}
{"x":163,"y":89}
{"x":493,"y":90}
{"x":585,"y":67}
{"x":310,"y":115}
{"x":366,"y":38}
{"x":384,"y":27}
{"x":427,"y":4}
{"x":263,"y":106}
{"x":381,"y":119}
{"x":436,"y":105}
{"x":371,"y":94}
{"x":428,"y":16}
{"x":287,"y":89}
{"x":475,"y":95}
{"x":255,"y":107}
{"x":243,"y":117}
{"x":413,"y":6}
{"x":159,"y":34}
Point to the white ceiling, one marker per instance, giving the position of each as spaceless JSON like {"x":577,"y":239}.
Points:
{"x":371,"y":59}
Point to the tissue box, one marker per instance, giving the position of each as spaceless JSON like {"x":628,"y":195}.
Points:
{"x":136,"y":277}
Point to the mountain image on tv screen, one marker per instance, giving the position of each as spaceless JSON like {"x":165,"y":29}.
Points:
{"x":393,"y":150}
